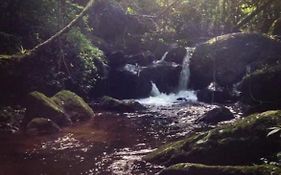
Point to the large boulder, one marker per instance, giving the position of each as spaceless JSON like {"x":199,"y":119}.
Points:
{"x":216,"y":115}
{"x":142,"y":58}
{"x":216,"y":96}
{"x":242,"y":142}
{"x":41,"y":126}
{"x":62,"y":108}
{"x":226,"y":59}
{"x":40,"y":105}
{"x":176,"y":55}
{"x":164,"y":75}
{"x":199,"y":169}
{"x":73,"y":105}
{"x":262,"y":87}
{"x":126,"y":83}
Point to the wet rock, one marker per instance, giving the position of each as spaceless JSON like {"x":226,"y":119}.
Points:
{"x":176,"y":55}
{"x":41,"y":126}
{"x":200,"y":169}
{"x":243,"y":142}
{"x":262,"y":87}
{"x":275,"y":29}
{"x":73,"y":105}
{"x":216,"y":115}
{"x":124,"y":84}
{"x":164,"y":75}
{"x":216,"y":96}
{"x":113,"y":104}
{"x":40,"y":105}
{"x":227,"y":58}
{"x":117,"y":59}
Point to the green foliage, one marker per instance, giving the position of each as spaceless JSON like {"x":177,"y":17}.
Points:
{"x":83,"y":70}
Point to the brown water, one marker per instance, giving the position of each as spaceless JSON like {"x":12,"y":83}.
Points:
{"x":110,"y":143}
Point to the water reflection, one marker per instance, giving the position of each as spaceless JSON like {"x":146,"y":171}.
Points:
{"x":110,"y":143}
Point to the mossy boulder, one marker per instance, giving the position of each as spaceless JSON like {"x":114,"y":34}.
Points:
{"x":200,"y":169}
{"x":262,"y":87}
{"x":73,"y":105}
{"x":216,"y":115}
{"x":113,"y":104}
{"x":40,"y":105}
{"x":226,"y":59}
{"x":41,"y":126}
{"x":275,"y":28}
{"x":62,"y":108}
{"x":242,"y":142}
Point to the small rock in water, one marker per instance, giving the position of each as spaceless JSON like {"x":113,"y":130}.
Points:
{"x":40,"y":126}
{"x":216,"y":115}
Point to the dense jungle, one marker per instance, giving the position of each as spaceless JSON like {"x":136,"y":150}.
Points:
{"x":140,"y":87}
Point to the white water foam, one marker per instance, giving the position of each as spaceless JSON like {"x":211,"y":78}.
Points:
{"x":168,"y":99}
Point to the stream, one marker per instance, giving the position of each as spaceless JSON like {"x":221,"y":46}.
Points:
{"x":110,"y":143}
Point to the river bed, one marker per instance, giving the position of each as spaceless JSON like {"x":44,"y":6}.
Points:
{"x":110,"y":143}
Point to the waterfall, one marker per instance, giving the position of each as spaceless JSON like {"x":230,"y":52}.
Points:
{"x":162,"y":99}
{"x":162,"y":58}
{"x":154,"y":91}
{"x":185,"y":72}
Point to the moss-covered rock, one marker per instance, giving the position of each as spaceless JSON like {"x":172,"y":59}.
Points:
{"x":40,"y":126}
{"x":242,"y":142}
{"x":113,"y":104}
{"x":216,"y":115}
{"x":262,"y":87}
{"x":39,"y":105}
{"x":199,"y":169}
{"x":62,"y":108}
{"x":73,"y":105}
{"x":226,"y":58}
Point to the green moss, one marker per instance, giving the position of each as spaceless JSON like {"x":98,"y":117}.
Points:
{"x":61,"y":108}
{"x":45,"y":102}
{"x":40,"y":105}
{"x":242,"y":142}
{"x":73,"y":105}
{"x":200,"y":169}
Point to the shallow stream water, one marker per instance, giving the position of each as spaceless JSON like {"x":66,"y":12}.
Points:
{"x":110,"y":143}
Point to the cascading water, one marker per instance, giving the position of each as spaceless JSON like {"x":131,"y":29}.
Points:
{"x":164,"y":56}
{"x":154,"y":91}
{"x":185,"y":72}
{"x":161,"y":99}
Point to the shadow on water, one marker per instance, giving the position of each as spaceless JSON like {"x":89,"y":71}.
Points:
{"x":110,"y":143}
